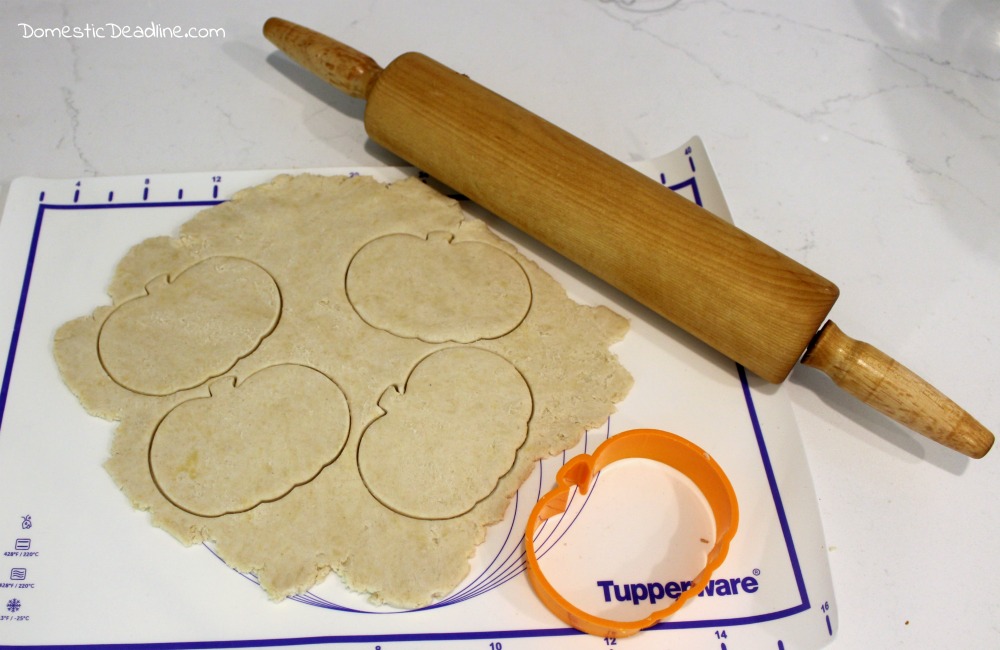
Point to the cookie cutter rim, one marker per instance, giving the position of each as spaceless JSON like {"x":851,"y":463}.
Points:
{"x":653,"y":444}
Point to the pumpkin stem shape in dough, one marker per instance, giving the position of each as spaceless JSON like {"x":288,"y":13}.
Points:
{"x":438,"y":290}
{"x":446,"y":441}
{"x":250,"y":443}
{"x":189,"y":329}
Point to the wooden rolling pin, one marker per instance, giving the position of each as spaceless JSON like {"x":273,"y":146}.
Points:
{"x":743,"y":298}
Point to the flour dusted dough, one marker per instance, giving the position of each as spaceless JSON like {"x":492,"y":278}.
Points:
{"x":247,"y":383}
{"x":459,"y":403}
{"x":211,"y":315}
{"x":249,"y":443}
{"x":438,"y":290}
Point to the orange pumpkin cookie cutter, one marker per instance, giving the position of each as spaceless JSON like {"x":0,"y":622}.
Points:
{"x":653,"y":444}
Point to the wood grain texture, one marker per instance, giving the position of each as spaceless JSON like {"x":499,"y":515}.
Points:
{"x":339,"y":65}
{"x":728,"y":289}
{"x":755,"y":305}
{"x":896,"y":391}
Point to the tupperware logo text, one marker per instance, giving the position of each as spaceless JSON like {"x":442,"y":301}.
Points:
{"x":640,"y":592}
{"x":153,"y":30}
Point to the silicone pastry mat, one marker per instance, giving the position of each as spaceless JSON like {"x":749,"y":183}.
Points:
{"x":80,"y":567}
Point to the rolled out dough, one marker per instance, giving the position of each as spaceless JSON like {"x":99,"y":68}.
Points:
{"x":251,"y":367}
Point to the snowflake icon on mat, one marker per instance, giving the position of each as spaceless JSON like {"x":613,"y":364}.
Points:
{"x":13,"y":605}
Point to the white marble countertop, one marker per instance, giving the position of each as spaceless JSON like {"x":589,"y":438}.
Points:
{"x":861,"y":138}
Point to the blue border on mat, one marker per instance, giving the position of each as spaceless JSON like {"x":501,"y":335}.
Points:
{"x":389,"y":638}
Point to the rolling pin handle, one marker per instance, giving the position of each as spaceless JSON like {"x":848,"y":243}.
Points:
{"x":883,"y":383}
{"x":470,"y":143}
{"x":340,"y":65}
